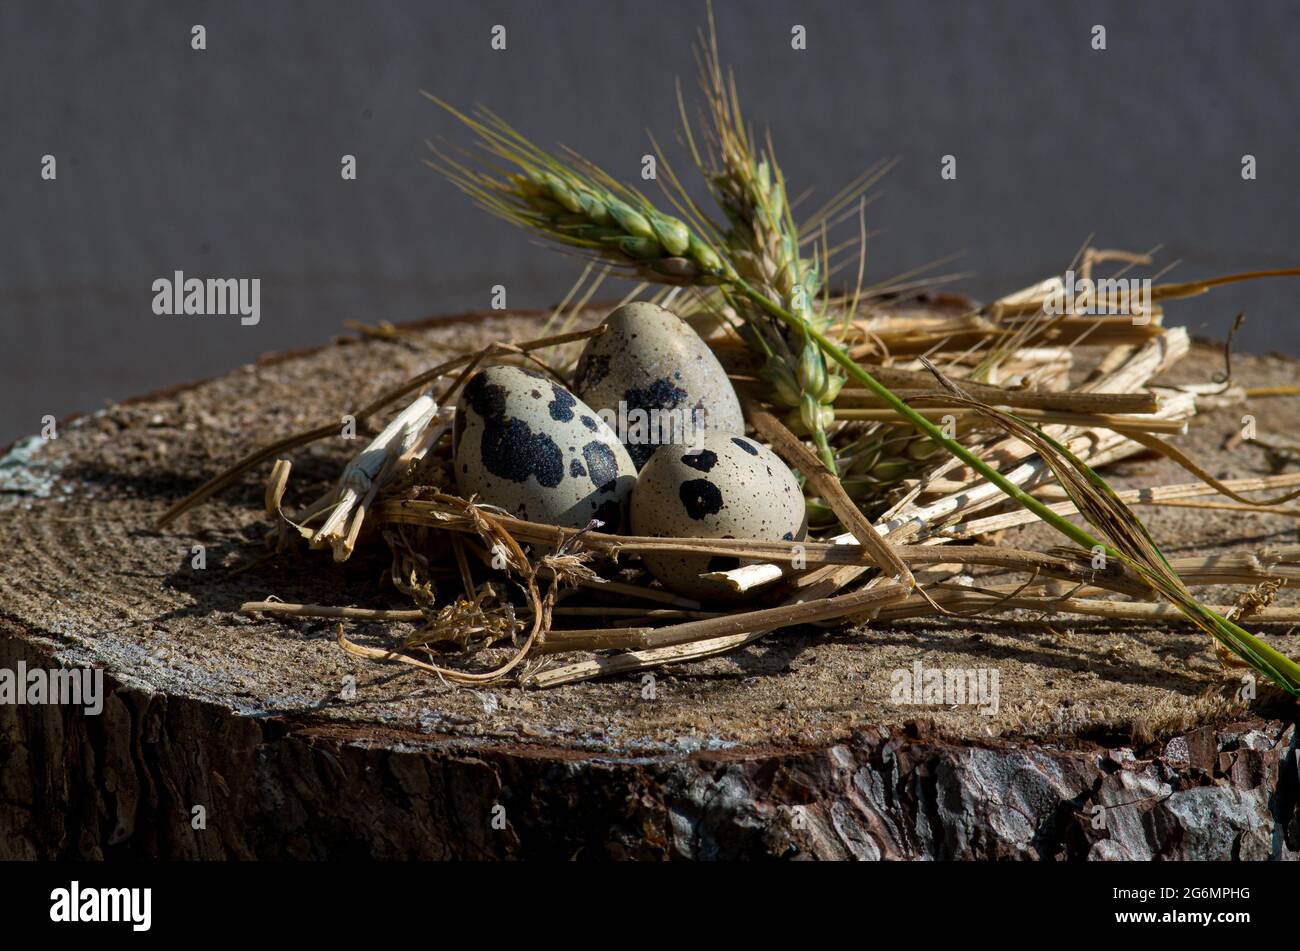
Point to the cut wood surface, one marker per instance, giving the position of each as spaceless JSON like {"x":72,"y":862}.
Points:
{"x":795,"y":745}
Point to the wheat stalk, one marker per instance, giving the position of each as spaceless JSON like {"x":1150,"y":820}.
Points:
{"x":764,"y":245}
{"x":578,"y":205}
{"x":757,"y":263}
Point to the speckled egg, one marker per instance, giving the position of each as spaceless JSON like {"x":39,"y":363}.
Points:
{"x":727,"y":486}
{"x":526,"y":444}
{"x":650,"y":360}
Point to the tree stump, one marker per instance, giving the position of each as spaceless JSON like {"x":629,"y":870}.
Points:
{"x":224,"y":735}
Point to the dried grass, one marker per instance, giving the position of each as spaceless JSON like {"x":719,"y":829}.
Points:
{"x":860,"y":389}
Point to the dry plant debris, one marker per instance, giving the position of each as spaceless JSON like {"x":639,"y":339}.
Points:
{"x":915,"y":439}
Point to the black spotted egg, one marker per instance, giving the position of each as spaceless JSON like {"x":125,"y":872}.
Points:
{"x":726,"y":486}
{"x":524,"y":443}
{"x":657,"y":377}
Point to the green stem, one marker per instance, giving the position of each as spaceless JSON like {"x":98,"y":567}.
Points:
{"x":1059,"y":522}
{"x":829,"y":347}
{"x":824,"y":450}
{"x":1280,"y":668}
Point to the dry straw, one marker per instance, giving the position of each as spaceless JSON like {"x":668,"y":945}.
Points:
{"x":852,"y":396}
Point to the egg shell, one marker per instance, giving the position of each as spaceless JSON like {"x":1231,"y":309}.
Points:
{"x":526,"y":444}
{"x":650,"y":359}
{"x":726,"y":487}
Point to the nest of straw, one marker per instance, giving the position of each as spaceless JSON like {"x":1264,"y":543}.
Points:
{"x":919,"y":439}
{"x":541,"y":606}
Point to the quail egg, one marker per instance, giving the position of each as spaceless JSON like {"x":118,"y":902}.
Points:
{"x":655,"y":375}
{"x":524,"y":443}
{"x":726,"y":486}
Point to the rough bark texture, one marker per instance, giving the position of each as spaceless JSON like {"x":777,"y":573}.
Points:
{"x":125,"y":784}
{"x":791,"y":748}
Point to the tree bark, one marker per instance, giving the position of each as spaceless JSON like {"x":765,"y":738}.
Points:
{"x":126,"y":785}
{"x":223,"y":737}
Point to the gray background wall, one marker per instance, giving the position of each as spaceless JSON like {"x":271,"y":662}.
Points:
{"x":226,"y":162}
